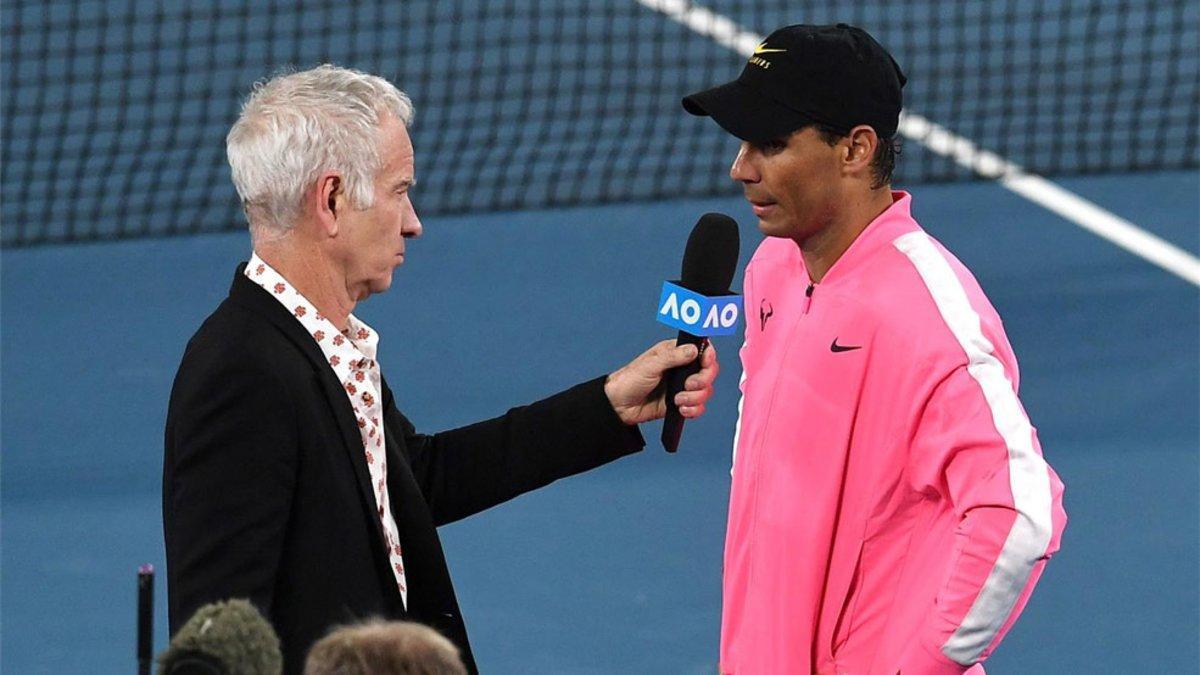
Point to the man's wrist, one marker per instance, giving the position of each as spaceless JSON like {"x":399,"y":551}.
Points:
{"x":609,"y":392}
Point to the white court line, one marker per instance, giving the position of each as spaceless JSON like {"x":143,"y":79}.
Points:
{"x":940,"y":140}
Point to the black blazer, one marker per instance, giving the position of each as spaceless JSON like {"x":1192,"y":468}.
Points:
{"x":266,"y":494}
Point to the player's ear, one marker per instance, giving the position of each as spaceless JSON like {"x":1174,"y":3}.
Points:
{"x":860,"y":145}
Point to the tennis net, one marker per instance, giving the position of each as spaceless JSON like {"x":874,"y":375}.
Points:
{"x":115,"y":111}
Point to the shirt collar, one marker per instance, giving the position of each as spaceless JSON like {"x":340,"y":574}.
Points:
{"x":361,"y":336}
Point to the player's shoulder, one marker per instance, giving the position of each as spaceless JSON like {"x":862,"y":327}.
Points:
{"x":926,"y":266}
{"x":920,"y":287}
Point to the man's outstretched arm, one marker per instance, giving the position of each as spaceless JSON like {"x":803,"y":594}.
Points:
{"x":466,"y":470}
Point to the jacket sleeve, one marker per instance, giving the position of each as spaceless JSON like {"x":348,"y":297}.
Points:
{"x":466,"y":470}
{"x":975,"y":447}
{"x":229,"y":475}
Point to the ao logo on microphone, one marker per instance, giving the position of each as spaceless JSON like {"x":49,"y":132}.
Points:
{"x":698,"y":314}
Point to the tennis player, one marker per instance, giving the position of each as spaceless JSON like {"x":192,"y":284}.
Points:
{"x":890,"y":509}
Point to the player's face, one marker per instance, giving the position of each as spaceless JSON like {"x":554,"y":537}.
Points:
{"x":792,"y":183}
{"x":376,"y":235}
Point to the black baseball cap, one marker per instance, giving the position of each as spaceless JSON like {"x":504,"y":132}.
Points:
{"x":838,"y":76}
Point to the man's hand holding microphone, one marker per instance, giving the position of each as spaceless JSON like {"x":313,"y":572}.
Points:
{"x":674,"y":378}
{"x":637,"y":391}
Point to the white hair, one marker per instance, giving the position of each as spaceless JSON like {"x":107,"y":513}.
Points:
{"x":295,"y":126}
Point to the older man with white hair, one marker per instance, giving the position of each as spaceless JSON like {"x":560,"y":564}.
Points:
{"x":290,"y":478}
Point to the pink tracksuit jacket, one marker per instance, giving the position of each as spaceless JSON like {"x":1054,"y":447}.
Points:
{"x":890,"y":508}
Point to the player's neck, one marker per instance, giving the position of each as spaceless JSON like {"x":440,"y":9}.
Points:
{"x":824,"y":248}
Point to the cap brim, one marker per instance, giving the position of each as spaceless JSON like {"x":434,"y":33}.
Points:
{"x":745,"y":112}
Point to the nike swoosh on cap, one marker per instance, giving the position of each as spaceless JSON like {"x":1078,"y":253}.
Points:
{"x":762,"y":49}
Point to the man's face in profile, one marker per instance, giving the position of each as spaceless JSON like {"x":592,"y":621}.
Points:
{"x":374,"y":243}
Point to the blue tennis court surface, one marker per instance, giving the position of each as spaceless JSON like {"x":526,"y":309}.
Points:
{"x":616,"y":571}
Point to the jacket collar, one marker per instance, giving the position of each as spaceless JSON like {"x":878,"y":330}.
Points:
{"x":894,"y":221}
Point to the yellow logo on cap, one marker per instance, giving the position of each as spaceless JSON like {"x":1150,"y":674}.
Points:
{"x":762,"y":49}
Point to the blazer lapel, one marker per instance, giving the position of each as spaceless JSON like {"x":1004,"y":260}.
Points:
{"x":352,"y":443}
{"x":249,"y":295}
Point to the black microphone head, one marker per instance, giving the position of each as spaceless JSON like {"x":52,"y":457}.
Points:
{"x":711,"y":256}
{"x":223,"y":638}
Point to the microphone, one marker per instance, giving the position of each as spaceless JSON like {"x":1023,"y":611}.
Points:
{"x":223,"y":638}
{"x":708,"y":264}
{"x":145,"y":618}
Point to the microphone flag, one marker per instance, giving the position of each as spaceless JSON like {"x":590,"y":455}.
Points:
{"x":701,"y":315}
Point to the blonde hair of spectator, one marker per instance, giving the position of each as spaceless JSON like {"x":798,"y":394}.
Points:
{"x":377,"y":647}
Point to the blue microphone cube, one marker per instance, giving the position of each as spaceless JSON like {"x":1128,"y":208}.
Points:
{"x":698,"y":314}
